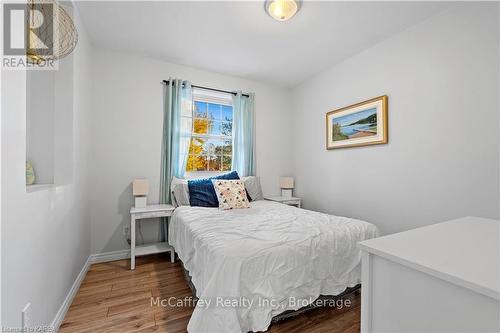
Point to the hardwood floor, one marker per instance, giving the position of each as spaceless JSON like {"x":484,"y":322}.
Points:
{"x":114,"y":299}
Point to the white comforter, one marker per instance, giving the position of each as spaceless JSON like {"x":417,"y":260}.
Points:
{"x":260,"y":261}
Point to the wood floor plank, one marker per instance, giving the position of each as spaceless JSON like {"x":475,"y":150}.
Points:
{"x":87,"y":313}
{"x":131,"y":307}
{"x":128,"y":323}
{"x":93,"y":291}
{"x":112,"y":298}
{"x":116,"y":279}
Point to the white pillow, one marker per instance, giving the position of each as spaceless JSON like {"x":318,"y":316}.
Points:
{"x":180,"y":192}
{"x":231,"y":193}
{"x":252,"y":185}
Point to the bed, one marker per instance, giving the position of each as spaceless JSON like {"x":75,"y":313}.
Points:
{"x":250,"y":265}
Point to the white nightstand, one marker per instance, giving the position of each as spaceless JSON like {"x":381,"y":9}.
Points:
{"x":291,"y":201}
{"x":148,"y":212}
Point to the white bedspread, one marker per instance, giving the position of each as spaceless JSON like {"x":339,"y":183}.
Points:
{"x":269,"y":256}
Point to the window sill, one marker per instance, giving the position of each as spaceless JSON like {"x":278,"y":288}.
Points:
{"x":38,"y":187}
{"x":203,"y":174}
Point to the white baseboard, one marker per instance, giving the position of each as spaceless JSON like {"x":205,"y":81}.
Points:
{"x":61,"y":313}
{"x":109,"y":256}
{"x":92,"y":259}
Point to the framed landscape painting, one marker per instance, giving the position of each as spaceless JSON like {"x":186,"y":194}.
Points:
{"x":357,"y":125}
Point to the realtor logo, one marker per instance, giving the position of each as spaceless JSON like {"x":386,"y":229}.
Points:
{"x":28,"y":31}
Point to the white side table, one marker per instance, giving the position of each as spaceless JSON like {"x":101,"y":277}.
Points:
{"x":291,"y":201}
{"x":148,"y":212}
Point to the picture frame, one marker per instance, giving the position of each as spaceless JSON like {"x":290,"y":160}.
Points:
{"x":361,"y":124}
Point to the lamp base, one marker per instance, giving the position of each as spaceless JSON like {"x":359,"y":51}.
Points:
{"x":140,"y":202}
{"x":286,"y":192}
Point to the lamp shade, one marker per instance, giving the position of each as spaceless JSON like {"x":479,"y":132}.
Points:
{"x":286,"y":182}
{"x":140,"y":187}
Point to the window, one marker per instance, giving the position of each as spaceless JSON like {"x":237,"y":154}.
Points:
{"x":211,"y":144}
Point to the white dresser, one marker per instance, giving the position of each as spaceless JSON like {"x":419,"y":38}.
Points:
{"x":440,"y":278}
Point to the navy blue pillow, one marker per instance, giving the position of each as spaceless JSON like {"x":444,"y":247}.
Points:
{"x":202,"y":192}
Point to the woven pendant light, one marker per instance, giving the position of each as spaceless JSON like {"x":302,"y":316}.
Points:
{"x":61,"y":39}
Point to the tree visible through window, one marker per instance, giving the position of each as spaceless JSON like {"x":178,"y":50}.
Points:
{"x":211,"y":139}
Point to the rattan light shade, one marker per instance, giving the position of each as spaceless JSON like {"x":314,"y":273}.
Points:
{"x":63,"y":37}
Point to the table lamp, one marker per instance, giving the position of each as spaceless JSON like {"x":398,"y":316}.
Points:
{"x":286,"y":184}
{"x":140,"y":189}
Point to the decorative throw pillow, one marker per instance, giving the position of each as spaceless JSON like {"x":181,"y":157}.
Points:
{"x":202,"y":193}
{"x":180,"y":192}
{"x":252,"y":185}
{"x":231,"y":194}
{"x":30,"y":174}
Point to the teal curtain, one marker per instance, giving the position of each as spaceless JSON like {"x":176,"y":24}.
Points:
{"x":177,"y":113}
{"x":243,"y":135}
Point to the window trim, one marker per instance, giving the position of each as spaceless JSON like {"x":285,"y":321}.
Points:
{"x":212,"y":97}
{"x":224,"y":99}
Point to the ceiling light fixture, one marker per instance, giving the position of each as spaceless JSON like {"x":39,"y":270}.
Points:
{"x":61,"y":39}
{"x":282,"y":10}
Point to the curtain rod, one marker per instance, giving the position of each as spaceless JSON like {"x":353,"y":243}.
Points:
{"x":212,"y":89}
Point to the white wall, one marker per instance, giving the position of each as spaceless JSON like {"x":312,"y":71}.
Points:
{"x":49,"y":124}
{"x":45,"y":234}
{"x":442,"y":160}
{"x":127,"y":127}
{"x":40,"y":87}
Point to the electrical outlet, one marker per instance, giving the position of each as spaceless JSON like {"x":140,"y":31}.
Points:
{"x":126,"y":229}
{"x":26,"y":316}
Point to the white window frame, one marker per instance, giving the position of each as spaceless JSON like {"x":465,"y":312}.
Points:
{"x":208,"y":96}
